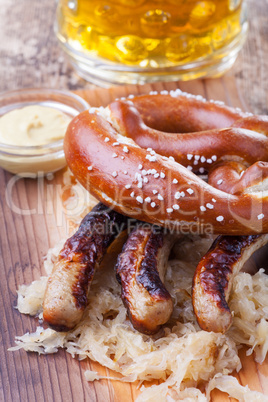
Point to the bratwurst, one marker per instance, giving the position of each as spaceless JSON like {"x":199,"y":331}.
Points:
{"x":67,"y":289}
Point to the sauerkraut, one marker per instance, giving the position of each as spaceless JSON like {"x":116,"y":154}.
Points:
{"x":181,"y":356}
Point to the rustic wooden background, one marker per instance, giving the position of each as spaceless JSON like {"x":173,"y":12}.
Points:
{"x":31,"y":57}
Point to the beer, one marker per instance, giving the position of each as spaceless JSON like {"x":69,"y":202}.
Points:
{"x":149,"y":34}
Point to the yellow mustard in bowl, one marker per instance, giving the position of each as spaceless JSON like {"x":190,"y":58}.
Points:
{"x":33,"y":125}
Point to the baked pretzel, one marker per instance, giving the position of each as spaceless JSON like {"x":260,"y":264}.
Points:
{"x":141,"y":183}
{"x":235,"y":178}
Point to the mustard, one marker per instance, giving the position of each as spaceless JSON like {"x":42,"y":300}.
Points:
{"x":33,"y":125}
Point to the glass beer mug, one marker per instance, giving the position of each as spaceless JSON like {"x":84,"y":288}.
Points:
{"x":138,"y":41}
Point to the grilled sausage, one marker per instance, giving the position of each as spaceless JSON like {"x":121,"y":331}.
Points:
{"x":68,"y":286}
{"x":140,"y":269}
{"x":214,"y":275}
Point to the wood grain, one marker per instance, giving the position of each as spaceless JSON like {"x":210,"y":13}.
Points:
{"x":25,"y":239}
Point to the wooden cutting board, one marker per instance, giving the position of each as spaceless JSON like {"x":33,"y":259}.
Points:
{"x":25,"y":239}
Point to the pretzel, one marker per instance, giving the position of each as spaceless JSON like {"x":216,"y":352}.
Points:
{"x":234,"y":178}
{"x":141,"y":183}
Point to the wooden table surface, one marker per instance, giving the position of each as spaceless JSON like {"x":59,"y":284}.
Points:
{"x":30,"y":57}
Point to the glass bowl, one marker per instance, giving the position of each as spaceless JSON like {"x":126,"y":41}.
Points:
{"x":42,"y":159}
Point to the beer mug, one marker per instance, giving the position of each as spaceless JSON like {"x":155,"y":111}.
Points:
{"x":138,"y":41}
